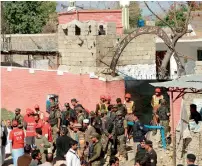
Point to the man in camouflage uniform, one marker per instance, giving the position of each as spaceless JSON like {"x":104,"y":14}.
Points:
{"x":97,"y":153}
{"x":68,"y":112}
{"x":18,"y":117}
{"x":54,"y":120}
{"x":80,"y":115}
{"x":121,"y":106}
{"x":163,"y":114}
{"x":120,"y":132}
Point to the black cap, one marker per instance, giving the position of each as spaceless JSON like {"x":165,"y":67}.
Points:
{"x":148,"y":142}
{"x":74,"y":100}
{"x":191,"y":157}
{"x":118,"y":100}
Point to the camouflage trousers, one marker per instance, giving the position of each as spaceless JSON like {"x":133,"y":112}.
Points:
{"x":121,"y":146}
{"x":165,"y":124}
{"x":54,"y":133}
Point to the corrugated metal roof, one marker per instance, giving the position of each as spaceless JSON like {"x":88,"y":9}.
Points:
{"x":189,"y":81}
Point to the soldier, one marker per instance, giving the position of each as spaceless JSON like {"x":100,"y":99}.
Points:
{"x":101,"y":105}
{"x":97,"y":153}
{"x":69,"y":113}
{"x":121,"y":106}
{"x":18,"y":117}
{"x":150,"y":158}
{"x":54,"y":120}
{"x":120,"y":132}
{"x":130,"y":106}
{"x":155,"y":103}
{"x":163,"y":114}
{"x":101,"y":30}
{"x":37,"y":111}
{"x":80,"y":115}
{"x":140,"y":152}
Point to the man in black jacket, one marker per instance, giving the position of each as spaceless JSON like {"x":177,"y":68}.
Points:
{"x":138,"y":132}
{"x":191,"y":160}
{"x":63,"y":144}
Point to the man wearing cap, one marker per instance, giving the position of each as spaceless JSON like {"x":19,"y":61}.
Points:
{"x":29,"y":124}
{"x":17,"y":138}
{"x":78,"y":136}
{"x":89,"y":130}
{"x":130,"y":106}
{"x":68,"y":113}
{"x":18,"y":116}
{"x":97,"y":153}
{"x":101,"y":105}
{"x":54,"y":120}
{"x":121,"y":106}
{"x":191,"y":158}
{"x":120,"y":132}
{"x":37,"y":111}
{"x":150,"y":158}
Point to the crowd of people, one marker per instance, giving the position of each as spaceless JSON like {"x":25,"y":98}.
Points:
{"x":73,"y":136}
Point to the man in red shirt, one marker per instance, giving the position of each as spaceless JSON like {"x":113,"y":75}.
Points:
{"x":38,"y":121}
{"x":47,"y":130}
{"x":29,"y":124}
{"x":17,"y":138}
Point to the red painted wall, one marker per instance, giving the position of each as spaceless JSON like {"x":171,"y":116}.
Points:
{"x":102,"y":16}
{"x":22,"y":89}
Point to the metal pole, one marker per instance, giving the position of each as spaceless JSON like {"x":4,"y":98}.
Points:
{"x":173,"y":130}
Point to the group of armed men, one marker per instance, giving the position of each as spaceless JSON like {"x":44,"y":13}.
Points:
{"x":101,"y":135}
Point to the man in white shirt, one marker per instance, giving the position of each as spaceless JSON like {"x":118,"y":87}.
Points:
{"x":72,"y":158}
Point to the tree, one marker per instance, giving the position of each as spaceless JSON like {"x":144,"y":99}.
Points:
{"x":27,"y":17}
{"x":134,"y":13}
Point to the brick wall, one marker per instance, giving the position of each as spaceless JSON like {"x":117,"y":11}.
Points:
{"x":23,"y":89}
{"x":102,"y":16}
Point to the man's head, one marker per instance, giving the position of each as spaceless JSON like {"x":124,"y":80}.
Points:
{"x":27,"y":149}
{"x":36,"y":117}
{"x":49,"y":157}
{"x":142,"y":143}
{"x":8,"y":123}
{"x":128,"y":97}
{"x":38,"y":132}
{"x":63,"y":130}
{"x":92,"y":114}
{"x":114,"y":161}
{"x":118,"y":101}
{"x":148,"y":144}
{"x":36,"y":155}
{"x":36,"y":107}
{"x":101,"y":27}
{"x":74,"y":145}
{"x":119,"y":114}
{"x":74,"y":102}
{"x":95,"y":137}
{"x":193,"y":107}
{"x":108,"y":99}
{"x":157,"y":91}
{"x":191,"y":159}
{"x":115,"y":108}
{"x":67,"y":105}
{"x":15,"y":123}
{"x":86,"y":122}
{"x":17,"y":111}
{"x":76,"y":127}
{"x":102,"y":98}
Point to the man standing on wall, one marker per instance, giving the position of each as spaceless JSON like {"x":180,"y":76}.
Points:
{"x":130,"y":106}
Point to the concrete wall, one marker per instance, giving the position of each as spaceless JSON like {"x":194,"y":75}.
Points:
{"x":20,"y":88}
{"x":101,"y":16}
{"x":198,"y":67}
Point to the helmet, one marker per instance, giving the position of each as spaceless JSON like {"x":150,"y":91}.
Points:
{"x":128,"y":95}
{"x":119,"y":112}
{"x":36,"y":106}
{"x":102,"y":97}
{"x":158,"y":90}
{"x":92,"y":113}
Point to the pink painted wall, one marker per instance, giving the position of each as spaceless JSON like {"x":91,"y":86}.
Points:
{"x":22,"y":89}
{"x":177,"y":109}
{"x":102,"y":16}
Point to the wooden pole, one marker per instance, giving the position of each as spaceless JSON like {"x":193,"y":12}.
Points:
{"x":173,"y":130}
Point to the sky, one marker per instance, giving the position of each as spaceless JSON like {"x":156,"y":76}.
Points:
{"x":105,"y":4}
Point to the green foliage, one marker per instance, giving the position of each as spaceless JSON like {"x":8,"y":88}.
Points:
{"x":134,"y":13}
{"x":27,"y":17}
{"x":179,"y":13}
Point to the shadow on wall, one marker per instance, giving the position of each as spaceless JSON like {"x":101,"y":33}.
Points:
{"x":142,"y":93}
